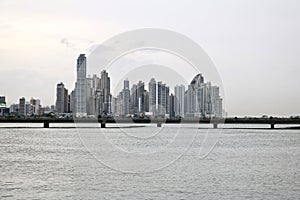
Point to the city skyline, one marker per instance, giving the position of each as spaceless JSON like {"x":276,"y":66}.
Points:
{"x":199,"y":100}
{"x":254,"y":45}
{"x":150,"y":99}
{"x":92,"y":96}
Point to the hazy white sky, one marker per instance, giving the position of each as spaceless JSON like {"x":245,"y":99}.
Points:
{"x":254,"y":44}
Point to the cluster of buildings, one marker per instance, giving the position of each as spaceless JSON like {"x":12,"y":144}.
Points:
{"x":24,"y":108}
{"x":91,"y":97}
{"x":200,"y":99}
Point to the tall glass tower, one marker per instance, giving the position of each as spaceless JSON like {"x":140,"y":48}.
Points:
{"x":152,"y":96}
{"x":126,"y":99}
{"x":80,"y":90}
{"x":179,"y":100}
{"x":162,"y":99}
{"x":105,"y":88}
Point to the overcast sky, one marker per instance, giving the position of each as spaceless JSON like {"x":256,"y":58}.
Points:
{"x":255,"y":45}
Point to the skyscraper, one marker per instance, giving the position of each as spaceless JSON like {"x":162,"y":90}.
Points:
{"x":185,"y":102}
{"x":105,"y":89}
{"x":167,"y":100}
{"x":80,"y":90}
{"x":162,"y":98}
{"x":70,"y":103}
{"x":73,"y":99}
{"x":152,"y":96}
{"x":61,"y":98}
{"x":209,"y":100}
{"x":202,"y":99}
{"x":146,"y":100}
{"x":35,"y":106}
{"x":98,"y":102}
{"x":190,"y":101}
{"x":179,"y":100}
{"x":114,"y":106}
{"x":159,"y":98}
{"x":196,"y":97}
{"x":22,"y":108}
{"x":92,"y":84}
{"x":90,"y":91}
{"x":126,"y":98}
{"x":172,"y":106}
{"x":217,"y":108}
{"x":140,"y":96}
{"x":134,"y":99}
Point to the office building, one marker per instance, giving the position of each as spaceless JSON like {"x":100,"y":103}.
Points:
{"x":22,"y":108}
{"x":134,"y":100}
{"x":172,"y":106}
{"x":217,"y":108}
{"x":141,"y":96}
{"x":105,"y":90}
{"x":90,"y":92}
{"x":114,"y":106}
{"x":162,"y":99}
{"x":35,"y":106}
{"x":69,"y":109}
{"x":152,"y":96}
{"x":167,"y":100}
{"x":98,"y":102}
{"x":119,"y":110}
{"x":179,"y":100}
{"x":126,"y":98}
{"x":146,"y":100}
{"x":195,"y":97}
{"x":80,"y":88}
{"x":72,"y":102}
{"x":14,"y":109}
{"x":61,"y":98}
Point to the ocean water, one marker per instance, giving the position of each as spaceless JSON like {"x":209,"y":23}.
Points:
{"x":147,"y":162}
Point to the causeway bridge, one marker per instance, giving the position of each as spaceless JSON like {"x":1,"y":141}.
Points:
{"x":103,"y":121}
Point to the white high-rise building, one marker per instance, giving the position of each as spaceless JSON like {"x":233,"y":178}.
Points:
{"x":80,"y":90}
{"x":218,"y":107}
{"x":179,"y":100}
{"x":216,"y":102}
{"x":195,"y":97}
{"x":35,"y":106}
{"x":162,"y":96}
{"x":90,"y":93}
{"x":152,"y":96}
{"x":126,"y":98}
{"x":190,"y":101}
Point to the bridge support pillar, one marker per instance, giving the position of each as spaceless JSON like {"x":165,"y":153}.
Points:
{"x":272,"y":125}
{"x":158,"y":124}
{"x":215,"y":125}
{"x":46,"y":124}
{"x":103,"y":125}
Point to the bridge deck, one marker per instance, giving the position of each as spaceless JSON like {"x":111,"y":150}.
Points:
{"x":159,"y":122}
{"x":141,"y":120}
